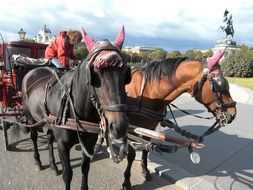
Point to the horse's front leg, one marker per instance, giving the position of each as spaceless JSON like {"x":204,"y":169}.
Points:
{"x":144,"y":165}
{"x":89,"y":142}
{"x":130,"y":159}
{"x":64,"y":154}
{"x":34,"y":137}
{"x":85,"y":171}
{"x":51,"y":159}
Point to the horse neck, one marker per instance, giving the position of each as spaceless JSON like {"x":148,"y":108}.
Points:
{"x":81,"y":91}
{"x":157,"y":94}
{"x":185,"y":79}
{"x":144,"y":93}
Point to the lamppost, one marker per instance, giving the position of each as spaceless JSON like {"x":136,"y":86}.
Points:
{"x":22,"y":34}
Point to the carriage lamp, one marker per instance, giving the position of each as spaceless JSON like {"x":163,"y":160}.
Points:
{"x":22,"y":34}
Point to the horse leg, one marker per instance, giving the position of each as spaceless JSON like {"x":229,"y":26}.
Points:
{"x":34,"y":137}
{"x":130,"y":158}
{"x":98,"y":145}
{"x":144,"y":165}
{"x":89,"y":142}
{"x":85,"y":171}
{"x":64,"y":154}
{"x":51,"y":159}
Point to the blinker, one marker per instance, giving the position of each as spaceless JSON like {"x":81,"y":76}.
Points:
{"x":220,"y":84}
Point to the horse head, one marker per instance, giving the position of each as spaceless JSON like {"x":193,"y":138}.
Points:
{"x":213,"y":91}
{"x":107,"y":74}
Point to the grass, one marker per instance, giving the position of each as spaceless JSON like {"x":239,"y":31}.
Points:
{"x":246,"y":82}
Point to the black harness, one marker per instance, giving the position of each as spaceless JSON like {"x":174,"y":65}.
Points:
{"x":218,"y":84}
{"x":66,"y":101}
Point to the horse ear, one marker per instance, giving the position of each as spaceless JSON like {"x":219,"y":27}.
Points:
{"x":89,"y":42}
{"x":120,"y":38}
{"x":211,"y":62}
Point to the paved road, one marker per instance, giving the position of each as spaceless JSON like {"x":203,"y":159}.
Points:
{"x":17,"y":171}
{"x":226,"y":161}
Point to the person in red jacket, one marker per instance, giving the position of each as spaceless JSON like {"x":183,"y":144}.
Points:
{"x":60,"y":50}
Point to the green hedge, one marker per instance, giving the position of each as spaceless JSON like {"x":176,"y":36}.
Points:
{"x":238,"y":64}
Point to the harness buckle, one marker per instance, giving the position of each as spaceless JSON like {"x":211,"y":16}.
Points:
{"x":222,"y":119}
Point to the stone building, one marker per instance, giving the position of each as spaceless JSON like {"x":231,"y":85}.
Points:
{"x":44,"y":35}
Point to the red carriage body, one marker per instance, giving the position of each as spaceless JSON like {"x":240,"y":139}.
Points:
{"x":11,"y":77}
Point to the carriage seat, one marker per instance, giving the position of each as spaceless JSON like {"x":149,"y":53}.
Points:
{"x":23,"y":64}
{"x":22,"y":60}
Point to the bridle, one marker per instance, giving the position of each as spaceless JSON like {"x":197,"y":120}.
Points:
{"x":94,"y":98}
{"x":218,"y":85}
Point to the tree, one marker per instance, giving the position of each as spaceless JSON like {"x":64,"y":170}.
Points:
{"x":143,"y":55}
{"x":136,"y":58}
{"x":158,"y":54}
{"x":193,"y":54}
{"x":208,"y":53}
{"x":81,"y":52}
{"x":126,"y":56}
{"x":174,"y":54}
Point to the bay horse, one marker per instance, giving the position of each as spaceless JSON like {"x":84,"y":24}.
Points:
{"x":93,"y":91}
{"x":154,"y":87}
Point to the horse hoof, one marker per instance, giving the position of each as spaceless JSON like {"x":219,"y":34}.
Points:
{"x":97,"y":149}
{"x":78,"y":147}
{"x":147,"y":176}
{"x":38,"y":168}
{"x":126,"y":186}
{"x":56,"y":171}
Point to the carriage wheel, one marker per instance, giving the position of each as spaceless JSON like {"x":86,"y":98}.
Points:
{"x":4,"y":127}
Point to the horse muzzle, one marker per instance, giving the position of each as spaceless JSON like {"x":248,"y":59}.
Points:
{"x":225,"y":118}
{"x":118,"y":129}
{"x":117,"y":149}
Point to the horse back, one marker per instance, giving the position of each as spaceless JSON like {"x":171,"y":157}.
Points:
{"x":33,"y":91}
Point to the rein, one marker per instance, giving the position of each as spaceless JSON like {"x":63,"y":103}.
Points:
{"x":67,"y":93}
{"x":210,"y":130}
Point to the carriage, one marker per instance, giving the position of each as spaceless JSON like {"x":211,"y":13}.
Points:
{"x":17,"y":59}
{"x":11,"y":79}
{"x":144,"y":106}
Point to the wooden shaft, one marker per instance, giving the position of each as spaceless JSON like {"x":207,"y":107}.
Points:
{"x":164,"y":137}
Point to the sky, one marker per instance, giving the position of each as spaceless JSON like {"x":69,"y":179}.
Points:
{"x":171,"y":25}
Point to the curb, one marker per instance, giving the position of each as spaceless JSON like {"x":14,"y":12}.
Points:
{"x":241,"y":94}
{"x":177,"y":175}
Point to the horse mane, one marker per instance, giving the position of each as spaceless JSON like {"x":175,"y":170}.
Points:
{"x":156,"y":69}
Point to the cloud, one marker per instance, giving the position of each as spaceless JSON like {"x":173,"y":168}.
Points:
{"x":180,"y":24}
